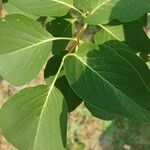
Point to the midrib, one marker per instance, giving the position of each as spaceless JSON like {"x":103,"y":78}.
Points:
{"x":45,"y":104}
{"x":28,"y":47}
{"x":102,"y":4}
{"x":63,"y":3}
{"x":108,"y":31}
{"x":82,"y":61}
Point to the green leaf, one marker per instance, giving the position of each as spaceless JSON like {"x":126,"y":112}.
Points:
{"x":98,"y":113}
{"x":35,"y":119}
{"x":43,"y":7}
{"x":131,"y":34}
{"x":52,"y":67}
{"x":72,"y":99}
{"x":24,"y":48}
{"x":136,"y":62}
{"x":11,"y":9}
{"x":60,"y":28}
{"x":104,"y":11}
{"x":143,"y":21}
{"x":87,"y":6}
{"x":108,"y":81}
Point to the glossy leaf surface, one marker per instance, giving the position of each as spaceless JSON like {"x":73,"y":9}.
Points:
{"x":108,"y":81}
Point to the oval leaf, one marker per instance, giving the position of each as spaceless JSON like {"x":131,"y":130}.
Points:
{"x":35,"y":119}
{"x":106,"y":80}
{"x":24,"y":48}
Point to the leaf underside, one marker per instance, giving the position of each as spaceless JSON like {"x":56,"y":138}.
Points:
{"x":29,"y":122}
{"x":43,"y":7}
{"x":24,"y":48}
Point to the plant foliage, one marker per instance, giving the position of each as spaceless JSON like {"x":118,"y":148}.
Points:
{"x":93,"y":52}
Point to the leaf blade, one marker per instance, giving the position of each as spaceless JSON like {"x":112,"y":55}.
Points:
{"x":33,"y":123}
{"x":51,"y":7}
{"x":21,"y":47}
{"x":108,"y":90}
{"x":71,"y":98}
{"x":131,"y":34}
{"x":100,"y":113}
{"x":104,"y":11}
